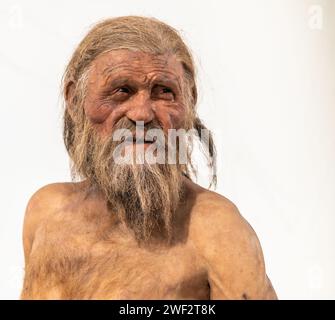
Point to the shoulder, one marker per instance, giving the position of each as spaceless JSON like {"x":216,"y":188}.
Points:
{"x":217,"y":219}
{"x":41,"y":205}
{"x":228,"y":247}
{"x":47,"y":198}
{"x":51,"y":198}
{"x":214,"y":213}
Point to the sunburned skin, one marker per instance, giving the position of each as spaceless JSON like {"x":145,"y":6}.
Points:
{"x":76,"y":248}
{"x":137,"y":85}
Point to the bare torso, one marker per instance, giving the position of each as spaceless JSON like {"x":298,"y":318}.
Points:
{"x":76,"y":249}
{"x":80,"y":252}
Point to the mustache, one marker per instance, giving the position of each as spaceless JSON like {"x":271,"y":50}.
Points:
{"x":125,"y":125}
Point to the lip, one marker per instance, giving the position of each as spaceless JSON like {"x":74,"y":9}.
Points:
{"x":139,"y":144}
{"x":138,"y":141}
{"x":143,"y":142}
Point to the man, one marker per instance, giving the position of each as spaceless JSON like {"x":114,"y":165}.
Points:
{"x":130,"y":229}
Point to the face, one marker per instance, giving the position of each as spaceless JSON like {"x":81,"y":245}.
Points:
{"x":124,"y":87}
{"x":135,"y":85}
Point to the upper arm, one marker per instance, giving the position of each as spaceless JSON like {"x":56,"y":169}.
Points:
{"x":37,"y":210}
{"x":31,"y":218}
{"x":233,"y":255}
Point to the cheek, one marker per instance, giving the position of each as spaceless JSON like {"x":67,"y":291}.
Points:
{"x":178,"y":118}
{"x":171,"y":117}
{"x":97,"y":112}
{"x":103,"y":115}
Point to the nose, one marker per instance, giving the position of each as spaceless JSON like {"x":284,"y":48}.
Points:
{"x":140,"y":108}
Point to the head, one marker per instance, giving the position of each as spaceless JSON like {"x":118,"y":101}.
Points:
{"x":126,"y":70}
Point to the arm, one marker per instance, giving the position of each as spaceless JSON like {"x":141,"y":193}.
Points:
{"x":38,"y":209}
{"x":232,"y":254}
{"x":31,"y":219}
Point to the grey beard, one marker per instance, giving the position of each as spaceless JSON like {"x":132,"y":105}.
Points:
{"x":145,"y":198}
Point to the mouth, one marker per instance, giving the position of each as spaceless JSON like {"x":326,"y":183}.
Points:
{"x":139,"y":140}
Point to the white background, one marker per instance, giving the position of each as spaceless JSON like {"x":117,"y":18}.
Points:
{"x":266,"y":75}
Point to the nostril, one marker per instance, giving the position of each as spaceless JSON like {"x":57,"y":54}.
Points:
{"x":140,"y":112}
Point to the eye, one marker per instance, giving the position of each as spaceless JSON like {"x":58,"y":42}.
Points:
{"x":123,"y":90}
{"x":162,"y":92}
{"x":121,"y":93}
{"x":166,"y":90}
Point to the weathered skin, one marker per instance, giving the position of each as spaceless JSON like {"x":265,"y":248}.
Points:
{"x":145,"y":76}
{"x":75,"y":248}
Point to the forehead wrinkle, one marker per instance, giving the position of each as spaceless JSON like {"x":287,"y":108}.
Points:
{"x":112,"y":68}
{"x":140,"y":76}
{"x":161,"y":63}
{"x":114,"y":60}
{"x":122,"y":77}
{"x":107,"y":71}
{"x":142,"y":69}
{"x":154,"y":62}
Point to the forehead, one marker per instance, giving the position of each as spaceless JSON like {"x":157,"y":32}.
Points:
{"x":117,"y":63}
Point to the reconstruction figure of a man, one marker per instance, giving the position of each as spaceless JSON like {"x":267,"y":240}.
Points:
{"x":133,"y":224}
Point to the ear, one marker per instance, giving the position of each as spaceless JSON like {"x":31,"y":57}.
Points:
{"x":70,"y":98}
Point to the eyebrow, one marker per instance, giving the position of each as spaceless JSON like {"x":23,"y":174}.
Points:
{"x":159,"y":80}
{"x":163,"y":78}
{"x":120,"y":81}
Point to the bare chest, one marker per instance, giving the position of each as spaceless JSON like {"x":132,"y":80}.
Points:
{"x":69,"y":261}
